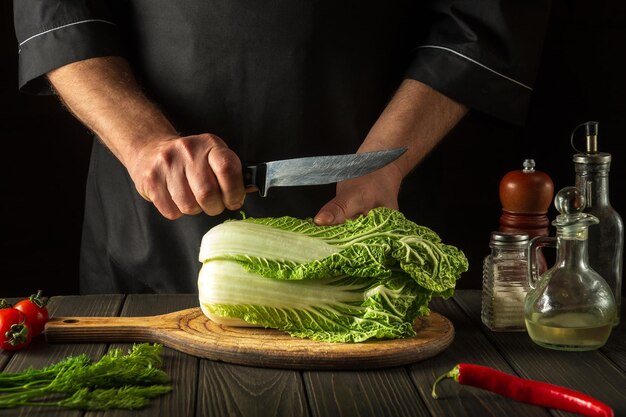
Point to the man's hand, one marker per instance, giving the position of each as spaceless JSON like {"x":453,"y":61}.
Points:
{"x":188,"y":175}
{"x":417,"y":118}
{"x":180,"y":175}
{"x":359,"y":195}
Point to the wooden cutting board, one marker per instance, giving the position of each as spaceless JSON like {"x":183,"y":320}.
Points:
{"x":191,"y":332}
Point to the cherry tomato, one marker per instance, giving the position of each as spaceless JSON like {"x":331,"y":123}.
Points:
{"x":35,"y":309}
{"x":15,"y":330}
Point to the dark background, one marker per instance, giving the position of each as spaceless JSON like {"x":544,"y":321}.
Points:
{"x":45,"y":153}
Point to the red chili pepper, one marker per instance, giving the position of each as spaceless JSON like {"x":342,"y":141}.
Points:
{"x":526,"y":390}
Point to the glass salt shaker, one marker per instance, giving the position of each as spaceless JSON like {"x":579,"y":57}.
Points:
{"x":570,"y":306}
{"x":505,"y":282}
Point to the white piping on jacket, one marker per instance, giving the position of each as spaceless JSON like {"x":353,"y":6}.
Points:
{"x":477,"y":63}
{"x":64,"y":26}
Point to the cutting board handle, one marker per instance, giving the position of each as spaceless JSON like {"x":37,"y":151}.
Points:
{"x":112,"y":329}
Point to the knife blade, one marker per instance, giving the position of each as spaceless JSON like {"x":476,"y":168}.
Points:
{"x":315,"y":170}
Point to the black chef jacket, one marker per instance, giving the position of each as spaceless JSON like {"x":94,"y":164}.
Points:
{"x":275,"y":79}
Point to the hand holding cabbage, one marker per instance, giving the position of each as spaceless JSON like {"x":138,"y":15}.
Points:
{"x":370,"y":277}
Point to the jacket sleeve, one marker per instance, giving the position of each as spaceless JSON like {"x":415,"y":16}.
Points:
{"x":53,"y":33}
{"x":484,"y":54}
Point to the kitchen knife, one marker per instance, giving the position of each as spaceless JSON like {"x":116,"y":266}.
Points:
{"x":315,"y":170}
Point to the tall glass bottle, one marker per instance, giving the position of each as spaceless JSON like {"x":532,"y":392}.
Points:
{"x":570,"y":306}
{"x":606,"y":241}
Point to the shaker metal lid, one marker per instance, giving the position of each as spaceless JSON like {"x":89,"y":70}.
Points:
{"x":499,"y":238}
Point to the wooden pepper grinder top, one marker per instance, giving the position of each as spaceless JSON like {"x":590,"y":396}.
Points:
{"x":526,"y":196}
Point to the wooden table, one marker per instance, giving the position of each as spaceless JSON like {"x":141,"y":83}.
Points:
{"x":208,"y":388}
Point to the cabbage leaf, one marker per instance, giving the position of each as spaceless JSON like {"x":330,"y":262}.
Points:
{"x":370,"y":277}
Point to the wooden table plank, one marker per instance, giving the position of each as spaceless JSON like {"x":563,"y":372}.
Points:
{"x":181,"y":368}
{"x":5,"y":356}
{"x":40,"y":353}
{"x":375,"y":393}
{"x":615,"y":347}
{"x":235,"y":390}
{"x":469,"y":346}
{"x":589,"y":372}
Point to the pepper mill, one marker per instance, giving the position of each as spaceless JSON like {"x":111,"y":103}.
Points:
{"x":526,"y":196}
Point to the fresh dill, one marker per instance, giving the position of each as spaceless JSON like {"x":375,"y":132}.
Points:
{"x":117,"y":380}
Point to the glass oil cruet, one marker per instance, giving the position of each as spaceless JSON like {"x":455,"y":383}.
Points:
{"x":570,"y":306}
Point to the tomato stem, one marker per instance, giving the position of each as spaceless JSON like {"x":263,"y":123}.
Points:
{"x":38,"y":300}
{"x":17,"y":334}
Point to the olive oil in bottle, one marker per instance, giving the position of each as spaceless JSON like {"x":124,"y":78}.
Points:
{"x":570,"y":306}
{"x":569,"y":331}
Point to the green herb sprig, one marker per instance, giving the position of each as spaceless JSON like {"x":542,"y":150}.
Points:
{"x":117,"y":380}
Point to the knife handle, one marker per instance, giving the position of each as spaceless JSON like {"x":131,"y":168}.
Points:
{"x":254,"y":176}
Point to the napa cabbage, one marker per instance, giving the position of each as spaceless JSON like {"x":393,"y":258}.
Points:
{"x":368,"y":278}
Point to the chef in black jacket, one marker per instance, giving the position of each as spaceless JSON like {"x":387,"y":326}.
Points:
{"x":178,"y":93}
